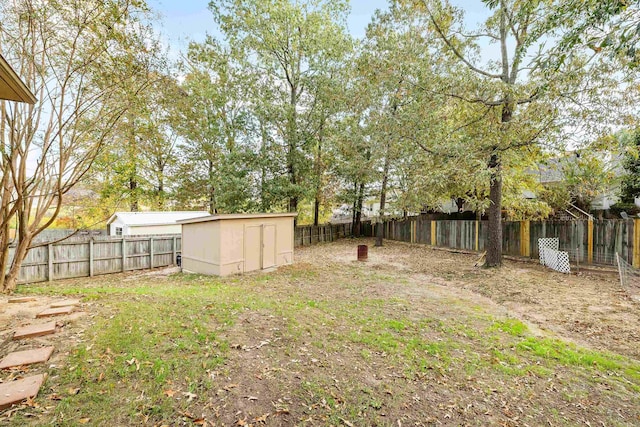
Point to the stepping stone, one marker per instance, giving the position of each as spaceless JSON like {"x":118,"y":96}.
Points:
{"x":35,"y":331}
{"x":20,"y":300}
{"x":27,"y":357}
{"x":54,"y":312}
{"x":65,"y":303}
{"x":17,"y":391}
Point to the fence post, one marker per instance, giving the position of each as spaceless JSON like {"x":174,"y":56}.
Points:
{"x":91,"y":257}
{"x":525,"y":237}
{"x":175,"y":250}
{"x":433,"y":234}
{"x":150,"y":252}
{"x":636,"y":243}
{"x":50,"y":262}
{"x":124,"y":253}
{"x":590,"y":241}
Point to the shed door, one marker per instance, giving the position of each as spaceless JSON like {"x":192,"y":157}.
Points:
{"x":252,"y":247}
{"x":268,"y":245}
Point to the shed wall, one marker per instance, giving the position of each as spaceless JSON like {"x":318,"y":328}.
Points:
{"x":202,"y":253}
{"x":233,"y":246}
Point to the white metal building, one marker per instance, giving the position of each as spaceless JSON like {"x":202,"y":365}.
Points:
{"x":145,"y":223}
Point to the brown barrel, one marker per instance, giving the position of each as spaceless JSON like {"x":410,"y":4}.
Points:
{"x":363,"y":252}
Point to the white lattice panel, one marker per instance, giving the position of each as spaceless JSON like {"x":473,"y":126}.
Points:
{"x":556,"y":260}
{"x":547,"y":243}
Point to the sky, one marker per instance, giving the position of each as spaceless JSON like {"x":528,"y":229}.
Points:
{"x":186,"y":20}
{"x":182,"y":21}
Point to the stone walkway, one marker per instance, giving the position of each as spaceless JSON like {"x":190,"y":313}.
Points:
{"x":15,"y":386}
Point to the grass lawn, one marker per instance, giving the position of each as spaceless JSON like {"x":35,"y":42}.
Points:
{"x":326,"y":341}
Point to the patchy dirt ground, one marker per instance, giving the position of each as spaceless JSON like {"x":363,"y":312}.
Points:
{"x":412,"y":337}
{"x":589,"y":307}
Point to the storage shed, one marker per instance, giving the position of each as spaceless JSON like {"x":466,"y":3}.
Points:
{"x":146,"y":223}
{"x":237,"y":243}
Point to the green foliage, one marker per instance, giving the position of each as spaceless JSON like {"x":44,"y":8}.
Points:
{"x":292,"y":53}
{"x":211,"y":116}
{"x":630,"y":188}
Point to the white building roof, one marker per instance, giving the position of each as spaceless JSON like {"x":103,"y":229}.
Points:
{"x":134,"y":219}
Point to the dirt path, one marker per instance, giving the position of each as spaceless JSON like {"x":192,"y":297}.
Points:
{"x":588,"y":308}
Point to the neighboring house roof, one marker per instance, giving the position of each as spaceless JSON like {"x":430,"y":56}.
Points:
{"x":11,"y":87}
{"x":134,"y":219}
{"x":552,"y":170}
{"x":219,"y":217}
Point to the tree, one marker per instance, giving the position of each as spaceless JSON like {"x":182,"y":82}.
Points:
{"x":289,"y":46}
{"x":211,"y":114}
{"x":132,"y":171}
{"x":512,"y":103}
{"x":67,"y":54}
{"x":630,"y":188}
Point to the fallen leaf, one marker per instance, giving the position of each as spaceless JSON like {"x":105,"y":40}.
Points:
{"x":242,"y":422}
{"x":190,"y":396}
{"x":230,"y":386}
{"x":169,"y":393}
{"x":200,"y":422}
{"x":101,"y":376}
{"x":188,"y":415}
{"x":84,"y":420}
{"x":252,"y":398}
{"x":73,"y":391}
{"x":347,"y":423}
{"x":261,"y":419}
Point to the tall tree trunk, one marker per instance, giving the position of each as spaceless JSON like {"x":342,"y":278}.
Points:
{"x":494,"y":243}
{"x":316,"y":210}
{"x":354,"y":208}
{"x":319,"y":170}
{"x":161,"y":193}
{"x":383,"y":198}
{"x":358,"y":221}
{"x":263,"y":169}
{"x":212,"y":189}
{"x":293,"y":147}
{"x":133,"y":185}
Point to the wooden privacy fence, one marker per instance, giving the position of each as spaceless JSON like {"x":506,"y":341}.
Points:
{"x":591,"y":242}
{"x":73,"y":258}
{"x":308,"y":234}
{"x":100,"y":255}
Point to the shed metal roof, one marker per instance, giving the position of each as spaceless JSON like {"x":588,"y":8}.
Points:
{"x":220,"y":217}
{"x":134,"y":219}
{"x":11,"y":87}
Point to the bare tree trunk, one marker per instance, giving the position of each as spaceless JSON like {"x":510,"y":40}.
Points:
{"x":133,"y":186}
{"x":316,"y":211}
{"x":494,"y":242}
{"x":358,"y":219}
{"x":383,"y":199}
{"x":263,"y":168}
{"x":319,"y":170}
{"x":293,"y":147}
{"x":212,"y":190}
{"x":160,"y":192}
{"x":11,"y":279}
